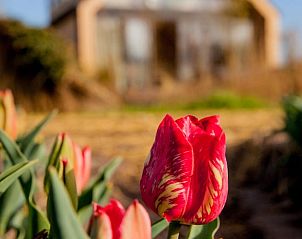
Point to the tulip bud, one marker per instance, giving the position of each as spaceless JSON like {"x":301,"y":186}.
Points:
{"x":8,"y":113}
{"x":99,"y":225}
{"x":134,"y":223}
{"x":62,"y":158}
{"x":185,"y":178}
{"x":75,"y":162}
{"x":82,"y":167}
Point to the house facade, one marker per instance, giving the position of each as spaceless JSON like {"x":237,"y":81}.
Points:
{"x":138,"y":42}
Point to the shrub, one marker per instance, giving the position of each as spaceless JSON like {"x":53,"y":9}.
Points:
{"x":226,"y":100}
{"x":31,"y":56}
{"x":292,"y":106}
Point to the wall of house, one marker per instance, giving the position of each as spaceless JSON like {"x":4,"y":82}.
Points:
{"x":109,"y":51}
{"x":266,"y":20}
{"x":136,"y":46}
{"x":59,"y":8}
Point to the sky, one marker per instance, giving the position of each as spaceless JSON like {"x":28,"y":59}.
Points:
{"x":32,"y":12}
{"x":36,"y":13}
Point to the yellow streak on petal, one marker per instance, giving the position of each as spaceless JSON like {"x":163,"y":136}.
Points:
{"x":217,"y":174}
{"x":210,"y":192}
{"x":199,"y":213}
{"x":220,"y":163}
{"x":171,"y":191}
{"x":213,"y":192}
{"x":208,"y":208}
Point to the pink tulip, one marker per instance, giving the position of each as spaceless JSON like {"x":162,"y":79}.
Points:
{"x":8,"y":114}
{"x":112,"y":222}
{"x":185,"y":177}
{"x":82,"y":167}
{"x":72,"y":158}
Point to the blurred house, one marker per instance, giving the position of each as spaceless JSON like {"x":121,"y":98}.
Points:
{"x":137,"y":42}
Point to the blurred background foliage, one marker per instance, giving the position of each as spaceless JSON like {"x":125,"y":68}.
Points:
{"x":36,"y":58}
{"x":292,"y":106}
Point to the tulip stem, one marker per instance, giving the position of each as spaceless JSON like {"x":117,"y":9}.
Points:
{"x":174,"y":229}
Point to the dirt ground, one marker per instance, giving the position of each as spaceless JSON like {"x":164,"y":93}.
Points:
{"x":130,"y":135}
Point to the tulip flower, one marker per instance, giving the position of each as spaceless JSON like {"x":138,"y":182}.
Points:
{"x":70,"y":160}
{"x":113,"y":222}
{"x":82,"y":167}
{"x":8,"y":113}
{"x":185,"y":177}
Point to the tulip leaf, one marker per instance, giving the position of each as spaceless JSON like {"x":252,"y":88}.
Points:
{"x":207,"y":231}
{"x":70,"y":184}
{"x":10,"y":175}
{"x":159,"y":226}
{"x":99,"y":190}
{"x":37,"y":220}
{"x":37,"y":151}
{"x":86,"y":212}
{"x":61,"y":214}
{"x":17,"y":222}
{"x":26,"y":142}
{"x":11,"y":201}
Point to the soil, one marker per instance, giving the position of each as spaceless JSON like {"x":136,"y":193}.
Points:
{"x":249,"y":213}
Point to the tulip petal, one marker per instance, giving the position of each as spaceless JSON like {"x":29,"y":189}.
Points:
{"x":105,"y":229}
{"x":136,"y":223}
{"x":115,"y":212}
{"x":211,"y":125}
{"x":78,"y":167}
{"x":166,"y":175}
{"x":2,"y":114}
{"x":209,"y":181}
{"x":8,"y":113}
{"x":86,"y":154}
{"x":99,"y":225}
{"x":190,"y":126}
{"x":82,"y":166}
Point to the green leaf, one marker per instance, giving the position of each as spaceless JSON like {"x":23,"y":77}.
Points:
{"x":86,"y":212}
{"x":37,"y":220}
{"x":10,"y":175}
{"x":25,"y":142}
{"x":11,"y":201}
{"x":17,"y":222}
{"x":207,"y":231}
{"x":70,"y":184}
{"x":37,"y":151}
{"x":99,"y":190}
{"x":98,"y":186}
{"x":159,"y":226}
{"x":63,"y":218}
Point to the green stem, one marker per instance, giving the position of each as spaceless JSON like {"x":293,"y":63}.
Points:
{"x":174,"y":229}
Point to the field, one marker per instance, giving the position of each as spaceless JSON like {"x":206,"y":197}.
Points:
{"x":130,"y":134}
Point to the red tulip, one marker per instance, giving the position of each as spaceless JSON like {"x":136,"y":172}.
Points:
{"x":8,"y":114}
{"x":185,"y":178}
{"x":112,"y":222}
